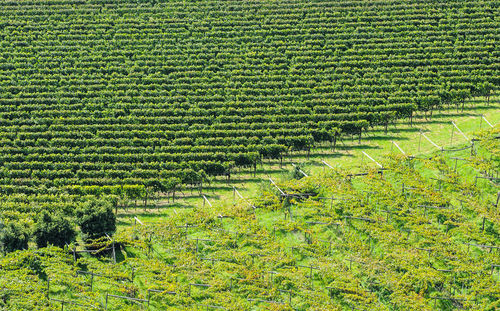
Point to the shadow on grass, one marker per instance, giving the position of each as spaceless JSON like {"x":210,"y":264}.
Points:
{"x":245,"y":180}
{"x":222,"y":187}
{"x":122,"y":253}
{"x":399,"y":130}
{"x":383,"y":137}
{"x":362,"y":146}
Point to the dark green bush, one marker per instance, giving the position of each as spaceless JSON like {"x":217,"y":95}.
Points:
{"x":96,"y":219}
{"x":53,"y":229}
{"x":13,"y":236}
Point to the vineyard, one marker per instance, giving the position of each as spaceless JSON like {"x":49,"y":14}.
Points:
{"x":420,"y":233}
{"x":97,"y":95}
{"x":249,"y":155}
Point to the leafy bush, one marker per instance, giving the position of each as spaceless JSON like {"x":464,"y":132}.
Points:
{"x":13,"y":236}
{"x":53,"y":229}
{"x":96,"y":219}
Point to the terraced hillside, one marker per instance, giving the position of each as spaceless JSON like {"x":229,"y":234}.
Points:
{"x":421,"y":234}
{"x":146,"y":152}
{"x":100,"y":94}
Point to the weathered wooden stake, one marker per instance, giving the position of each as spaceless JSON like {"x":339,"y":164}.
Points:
{"x":114,"y":252}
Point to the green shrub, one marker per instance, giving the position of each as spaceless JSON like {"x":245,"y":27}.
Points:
{"x":96,"y":219}
{"x":53,"y":229}
{"x":13,"y":236}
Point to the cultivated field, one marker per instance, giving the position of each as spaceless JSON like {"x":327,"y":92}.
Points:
{"x":249,"y":155}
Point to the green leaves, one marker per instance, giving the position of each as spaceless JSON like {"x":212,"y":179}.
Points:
{"x":53,"y":229}
{"x":13,"y":236}
{"x":96,"y":219}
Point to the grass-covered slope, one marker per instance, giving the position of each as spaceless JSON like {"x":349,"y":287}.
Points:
{"x":422,"y":234}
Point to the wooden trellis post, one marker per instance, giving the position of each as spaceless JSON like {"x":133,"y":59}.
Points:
{"x":493,"y":267}
{"x":63,"y":302}
{"x":113,"y":247}
{"x":289,"y":295}
{"x":92,"y":277}
{"x":284,"y":195}
{"x":310,"y":267}
{"x":271,"y":273}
